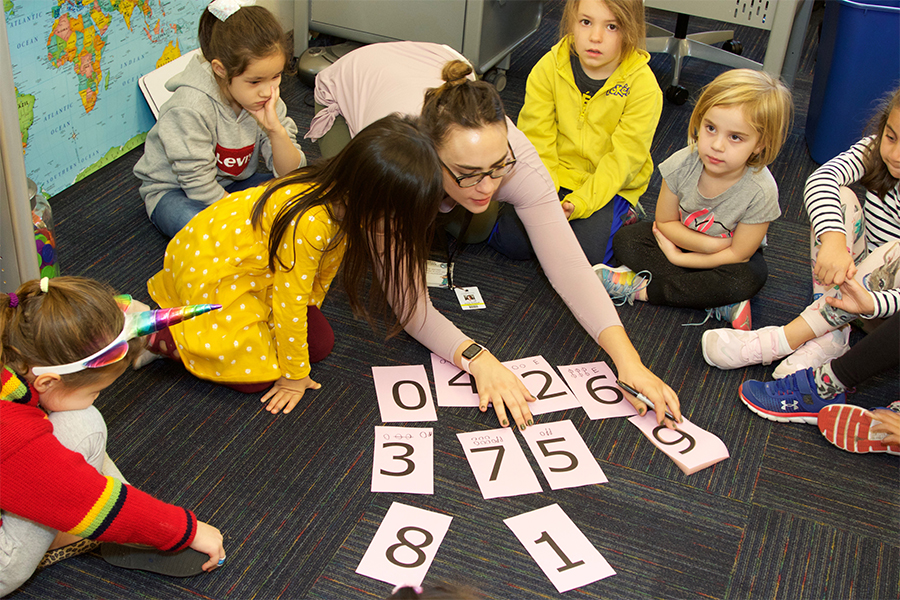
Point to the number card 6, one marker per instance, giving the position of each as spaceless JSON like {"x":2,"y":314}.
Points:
{"x":594,"y":384}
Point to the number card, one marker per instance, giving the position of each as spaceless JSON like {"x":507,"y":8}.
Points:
{"x":454,"y":386}
{"x":594,"y":384}
{"x":404,"y":545}
{"x":544,"y":384}
{"x":403,"y":394}
{"x":404,"y":460}
{"x":498,"y":463}
{"x":559,"y":548}
{"x":564,"y":458}
{"x":692,"y":448}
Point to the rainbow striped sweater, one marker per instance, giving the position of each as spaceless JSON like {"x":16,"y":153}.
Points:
{"x":45,"y":482}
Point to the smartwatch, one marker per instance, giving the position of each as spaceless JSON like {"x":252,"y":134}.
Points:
{"x":470,"y":353}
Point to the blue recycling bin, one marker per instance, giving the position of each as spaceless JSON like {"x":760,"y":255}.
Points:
{"x":858,"y":62}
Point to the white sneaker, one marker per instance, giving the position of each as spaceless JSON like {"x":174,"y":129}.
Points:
{"x":815,"y":353}
{"x":733,"y":348}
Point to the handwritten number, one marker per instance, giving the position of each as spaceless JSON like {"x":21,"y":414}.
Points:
{"x":684,"y":436}
{"x":420,"y":556}
{"x":500,"y":452}
{"x":568,"y":563}
{"x":593,"y":390}
{"x":543,"y":395}
{"x":573,"y":460}
{"x":395,"y":391}
{"x":410,"y":465}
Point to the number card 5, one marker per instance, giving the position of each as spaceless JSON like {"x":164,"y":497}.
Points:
{"x":404,"y":545}
{"x":594,"y":384}
{"x":544,"y":384}
{"x":498,"y":463}
{"x":559,"y":548}
{"x":403,"y":394}
{"x":564,"y":458}
{"x":404,"y":460}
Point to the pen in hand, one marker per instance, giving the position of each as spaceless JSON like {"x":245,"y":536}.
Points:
{"x":643,"y":398}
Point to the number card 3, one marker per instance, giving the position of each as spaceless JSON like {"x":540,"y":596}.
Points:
{"x":404,"y":460}
{"x":693,"y":449}
{"x":403,"y":394}
{"x":544,"y":384}
{"x":564,"y":458}
{"x":559,"y":548}
{"x":404,"y":545}
{"x":594,"y":384}
{"x":454,"y":386}
{"x":498,"y":463}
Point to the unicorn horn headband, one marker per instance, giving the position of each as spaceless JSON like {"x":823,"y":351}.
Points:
{"x":136,"y":325}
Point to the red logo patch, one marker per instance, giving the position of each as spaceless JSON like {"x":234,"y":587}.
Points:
{"x":233,"y":160}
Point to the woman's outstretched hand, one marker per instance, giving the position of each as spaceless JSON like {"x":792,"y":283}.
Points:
{"x":286,"y":393}
{"x":655,"y":389}
{"x":498,"y":385}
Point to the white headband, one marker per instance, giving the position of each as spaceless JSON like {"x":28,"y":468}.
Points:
{"x":223,"y":9}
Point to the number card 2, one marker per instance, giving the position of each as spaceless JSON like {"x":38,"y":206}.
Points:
{"x":564,"y":458}
{"x":544,"y":384}
{"x":693,"y":449}
{"x":498,"y":463}
{"x":404,"y":460}
{"x":559,"y":548}
{"x":404,"y":545}
{"x":454,"y":386}
{"x":403,"y":394}
{"x":594,"y":384}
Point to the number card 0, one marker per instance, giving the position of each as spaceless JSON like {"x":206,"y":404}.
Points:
{"x":594,"y":384}
{"x":544,"y":384}
{"x":564,"y":458}
{"x":403,"y":394}
{"x":403,"y":460}
{"x":498,"y":463}
{"x":454,"y":386}
{"x":693,"y":449}
{"x":404,"y":545}
{"x":559,"y":548}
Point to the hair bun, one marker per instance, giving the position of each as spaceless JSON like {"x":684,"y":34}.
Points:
{"x":456,"y":72}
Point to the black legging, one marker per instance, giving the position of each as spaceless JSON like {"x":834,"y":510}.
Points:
{"x":877,"y":352}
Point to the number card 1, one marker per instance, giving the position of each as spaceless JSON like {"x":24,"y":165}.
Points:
{"x":594,"y":384}
{"x":564,"y":458}
{"x":403,"y":394}
{"x":404,"y":545}
{"x":544,"y":384}
{"x":454,"y":386}
{"x":559,"y":548}
{"x":693,"y":449}
{"x":498,"y":463}
{"x":404,"y":460}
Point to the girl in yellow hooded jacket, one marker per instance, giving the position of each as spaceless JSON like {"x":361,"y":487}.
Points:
{"x":591,"y":107}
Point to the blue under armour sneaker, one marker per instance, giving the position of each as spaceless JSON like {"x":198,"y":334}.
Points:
{"x":793,"y":399}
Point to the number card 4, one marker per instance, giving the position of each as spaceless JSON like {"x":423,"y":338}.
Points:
{"x":544,"y":384}
{"x":403,"y":394}
{"x":498,"y":463}
{"x":594,"y":384}
{"x":564,"y":458}
{"x":559,"y":548}
{"x":404,"y":545}
{"x":454,"y":386}
{"x":693,"y":449}
{"x":404,"y":460}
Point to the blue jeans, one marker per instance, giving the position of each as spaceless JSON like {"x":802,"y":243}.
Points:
{"x":175,"y":209}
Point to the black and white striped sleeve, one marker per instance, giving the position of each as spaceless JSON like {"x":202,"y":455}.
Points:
{"x":822,"y":192}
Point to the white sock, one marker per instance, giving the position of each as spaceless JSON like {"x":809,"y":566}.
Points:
{"x":784,"y":348}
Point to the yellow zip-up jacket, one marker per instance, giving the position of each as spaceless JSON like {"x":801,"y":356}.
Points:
{"x":599,"y":147}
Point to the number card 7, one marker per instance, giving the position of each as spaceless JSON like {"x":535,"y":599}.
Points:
{"x":544,"y":384}
{"x":594,"y":384}
{"x":498,"y":463}
{"x":403,"y":394}
{"x":404,"y":460}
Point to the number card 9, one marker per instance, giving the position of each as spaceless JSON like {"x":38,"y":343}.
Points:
{"x":692,"y":448}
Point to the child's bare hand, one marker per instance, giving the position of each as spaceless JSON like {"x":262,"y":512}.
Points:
{"x":834,"y":264}
{"x":209,"y":541}
{"x":854,"y":299}
{"x":568,"y":209}
{"x":286,"y":393}
{"x":890,"y":424}
{"x":267,"y":116}
{"x":665,"y":244}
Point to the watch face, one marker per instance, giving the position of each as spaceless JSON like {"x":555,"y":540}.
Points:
{"x":472,"y":351}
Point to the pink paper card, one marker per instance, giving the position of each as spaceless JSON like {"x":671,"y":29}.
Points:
{"x":594,"y":384}
{"x":564,"y":458}
{"x":403,"y":460}
{"x":692,"y":448}
{"x":454,"y":387}
{"x":498,"y":463}
{"x":404,"y":394}
{"x":544,"y":384}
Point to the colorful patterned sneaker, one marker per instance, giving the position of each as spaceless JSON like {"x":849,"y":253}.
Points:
{"x":793,"y":399}
{"x":738,"y":314}
{"x":622,"y":283}
{"x":815,"y":353}
{"x":733,"y":348}
{"x":848,"y":428}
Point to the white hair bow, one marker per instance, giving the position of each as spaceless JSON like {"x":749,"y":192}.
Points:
{"x":223,"y":9}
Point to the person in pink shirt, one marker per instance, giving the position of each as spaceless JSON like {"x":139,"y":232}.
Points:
{"x":484,"y":159}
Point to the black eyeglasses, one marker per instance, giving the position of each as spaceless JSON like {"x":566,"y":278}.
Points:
{"x":473,"y":179}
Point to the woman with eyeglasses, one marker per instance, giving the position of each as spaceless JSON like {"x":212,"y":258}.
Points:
{"x":485,"y":161}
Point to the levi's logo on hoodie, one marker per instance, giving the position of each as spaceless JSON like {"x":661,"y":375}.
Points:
{"x":233,"y":160}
